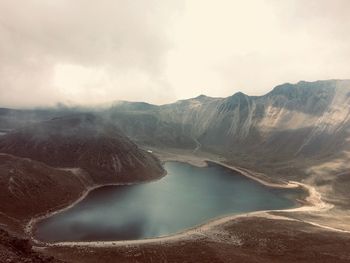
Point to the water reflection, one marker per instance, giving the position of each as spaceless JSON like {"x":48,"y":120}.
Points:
{"x":187,"y":196}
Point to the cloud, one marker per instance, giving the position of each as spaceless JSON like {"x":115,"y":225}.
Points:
{"x":84,"y":52}
{"x":118,"y":38}
{"x":253,"y":45}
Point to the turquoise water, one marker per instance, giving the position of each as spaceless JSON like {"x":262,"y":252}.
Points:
{"x":187,"y":196}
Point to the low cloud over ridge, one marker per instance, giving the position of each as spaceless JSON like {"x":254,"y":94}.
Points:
{"x":83,"y":52}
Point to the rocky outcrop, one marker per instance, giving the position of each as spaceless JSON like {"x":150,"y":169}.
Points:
{"x":15,"y":249}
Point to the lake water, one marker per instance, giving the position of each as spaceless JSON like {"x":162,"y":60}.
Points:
{"x":187,"y":196}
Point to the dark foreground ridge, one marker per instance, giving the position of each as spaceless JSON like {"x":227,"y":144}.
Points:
{"x":18,"y":250}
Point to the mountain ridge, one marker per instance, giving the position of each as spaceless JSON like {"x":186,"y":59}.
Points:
{"x":85,"y":141}
{"x":296,"y":132}
{"x":302,"y":121}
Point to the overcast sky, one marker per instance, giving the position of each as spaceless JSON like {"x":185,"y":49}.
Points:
{"x":158,"y":51}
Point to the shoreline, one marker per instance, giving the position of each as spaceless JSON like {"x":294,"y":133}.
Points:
{"x":313,"y":202}
{"x":252,"y":175}
{"x":196,"y":232}
{"x":30,"y":225}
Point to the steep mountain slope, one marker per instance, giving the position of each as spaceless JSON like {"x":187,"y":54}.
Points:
{"x":305,"y":119}
{"x":295,"y":132}
{"x":28,"y":187}
{"x":83,"y":141}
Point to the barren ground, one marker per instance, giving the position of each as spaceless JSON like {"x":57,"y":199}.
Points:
{"x":318,"y":231}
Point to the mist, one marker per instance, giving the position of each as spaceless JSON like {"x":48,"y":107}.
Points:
{"x":84,"y":53}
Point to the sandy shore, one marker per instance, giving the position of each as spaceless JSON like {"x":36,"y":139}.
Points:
{"x":313,"y":202}
{"x":30,"y":226}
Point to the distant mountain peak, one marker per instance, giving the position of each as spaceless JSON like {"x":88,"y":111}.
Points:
{"x":239,"y":94}
{"x":305,"y":88}
{"x":133,"y":106}
{"x":202,"y":96}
